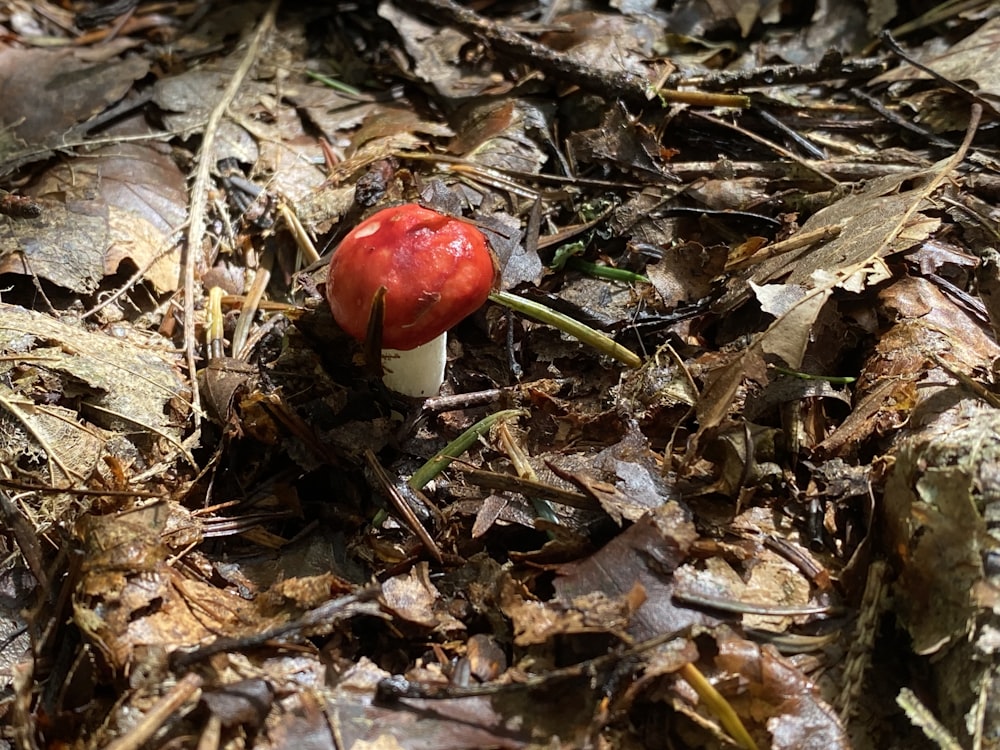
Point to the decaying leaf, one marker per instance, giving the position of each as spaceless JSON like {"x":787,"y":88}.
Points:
{"x":126,"y":203}
{"x":686,"y":273}
{"x":939,"y":497}
{"x":128,"y":600}
{"x":974,"y":58}
{"x":645,"y":554}
{"x":46,"y":92}
{"x":538,"y":622}
{"x":80,"y":402}
{"x":799,"y":279}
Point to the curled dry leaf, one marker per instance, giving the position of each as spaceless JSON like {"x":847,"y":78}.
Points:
{"x":900,"y":374}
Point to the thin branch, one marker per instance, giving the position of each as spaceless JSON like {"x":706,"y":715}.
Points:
{"x":199,"y":198}
{"x":629,"y":87}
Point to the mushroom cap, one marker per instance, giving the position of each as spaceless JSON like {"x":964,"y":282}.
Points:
{"x":436,"y":271}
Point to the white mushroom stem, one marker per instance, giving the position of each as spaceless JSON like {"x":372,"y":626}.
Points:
{"x":416,"y":372}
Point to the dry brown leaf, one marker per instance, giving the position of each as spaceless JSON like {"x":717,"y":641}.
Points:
{"x":975,"y":58}
{"x":900,"y":373}
{"x":621,"y":143}
{"x":876,"y":223}
{"x":126,"y":202}
{"x":686,"y":272}
{"x":790,"y":335}
{"x":510,"y":720}
{"x":697,"y":18}
{"x":82,"y":398}
{"x":415,"y":599}
{"x":46,"y":92}
{"x":187,"y":100}
{"x":510,"y":134}
{"x":434,"y":51}
{"x":645,"y":554}
{"x":607,"y":41}
{"x":771,"y":581}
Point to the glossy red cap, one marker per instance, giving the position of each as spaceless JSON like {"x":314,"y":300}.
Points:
{"x":436,"y":271}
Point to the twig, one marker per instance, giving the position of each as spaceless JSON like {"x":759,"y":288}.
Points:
{"x":397,"y":687}
{"x":199,"y":197}
{"x":768,"y":76}
{"x":718,"y":705}
{"x":859,"y":656}
{"x":922,"y":718}
{"x":807,"y":146}
{"x":169,"y":244}
{"x":971,"y":96}
{"x":395,"y":496}
{"x":938,"y":14}
{"x":734,"y":606}
{"x":795,"y":242}
{"x":842,"y":171}
{"x":187,"y":688}
{"x":321,"y":619}
{"x":525,"y":470}
{"x":686,"y":171}
{"x":251,"y":302}
{"x":27,"y":539}
{"x":581,"y":332}
{"x":509,"y":483}
{"x":13,"y":406}
{"x":458,"y":446}
{"x":900,"y":121}
{"x":770,"y":144}
{"x":629,"y":87}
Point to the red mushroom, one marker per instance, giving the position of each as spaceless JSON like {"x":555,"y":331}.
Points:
{"x":436,"y":270}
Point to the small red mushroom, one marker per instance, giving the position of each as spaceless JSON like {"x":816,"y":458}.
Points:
{"x":436,"y":270}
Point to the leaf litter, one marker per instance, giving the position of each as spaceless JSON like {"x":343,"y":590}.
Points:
{"x":714,"y":467}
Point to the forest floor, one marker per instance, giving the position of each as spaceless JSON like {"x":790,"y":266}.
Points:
{"x":717,"y":464}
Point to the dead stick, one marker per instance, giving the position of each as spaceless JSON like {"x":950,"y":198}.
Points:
{"x":795,"y":242}
{"x":629,"y":87}
{"x":199,"y":198}
{"x":187,"y":687}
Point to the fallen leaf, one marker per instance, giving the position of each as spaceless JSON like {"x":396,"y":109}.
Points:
{"x":46,"y":92}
